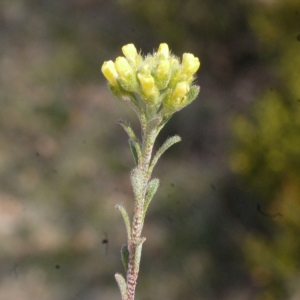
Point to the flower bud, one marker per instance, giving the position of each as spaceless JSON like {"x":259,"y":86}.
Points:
{"x":175,"y":100}
{"x":190,"y":64}
{"x":126,"y":74}
{"x":123,"y":67}
{"x":129,"y":51}
{"x":162,"y":74}
{"x":109,"y":71}
{"x":131,"y":55}
{"x":147,"y":83}
{"x":164,"y":50}
{"x":149,"y":89}
{"x":176,"y":72}
{"x":182,"y":88}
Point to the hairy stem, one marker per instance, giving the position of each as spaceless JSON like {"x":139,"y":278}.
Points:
{"x":135,"y":243}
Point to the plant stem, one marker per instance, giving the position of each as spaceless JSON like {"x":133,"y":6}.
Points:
{"x":155,"y":86}
{"x":136,"y":241}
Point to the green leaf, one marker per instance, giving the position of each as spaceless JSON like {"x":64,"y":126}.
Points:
{"x":122,"y":285}
{"x":125,"y":256}
{"x":165,"y":146}
{"x":192,"y":94}
{"x":138,"y":253}
{"x":133,"y":141}
{"x":150,"y":192}
{"x":123,"y":211}
{"x":134,"y":151}
{"x":153,"y":123}
{"x":165,"y":120}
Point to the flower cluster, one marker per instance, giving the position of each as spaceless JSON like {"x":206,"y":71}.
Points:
{"x":156,"y":84}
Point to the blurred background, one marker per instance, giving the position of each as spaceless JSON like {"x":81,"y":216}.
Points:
{"x":225,"y":223}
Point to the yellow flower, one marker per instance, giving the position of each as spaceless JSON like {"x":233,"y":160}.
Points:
{"x":147,"y":83}
{"x":109,"y":71}
{"x":190,"y":64}
{"x":159,"y":78}
{"x":182,"y":88}
{"x":162,"y":74}
{"x":123,"y":68}
{"x":163,"y":49}
{"x":163,"y":68}
{"x":176,"y":99}
{"x":129,"y":51}
{"x":149,"y":90}
{"x":127,"y":77}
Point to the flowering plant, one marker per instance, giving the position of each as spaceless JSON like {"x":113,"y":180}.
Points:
{"x":155,"y":86}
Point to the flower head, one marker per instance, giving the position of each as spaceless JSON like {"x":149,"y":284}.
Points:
{"x":159,"y":84}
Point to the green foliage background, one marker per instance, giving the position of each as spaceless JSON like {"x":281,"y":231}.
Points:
{"x":225,"y":222}
{"x":267,"y":152}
